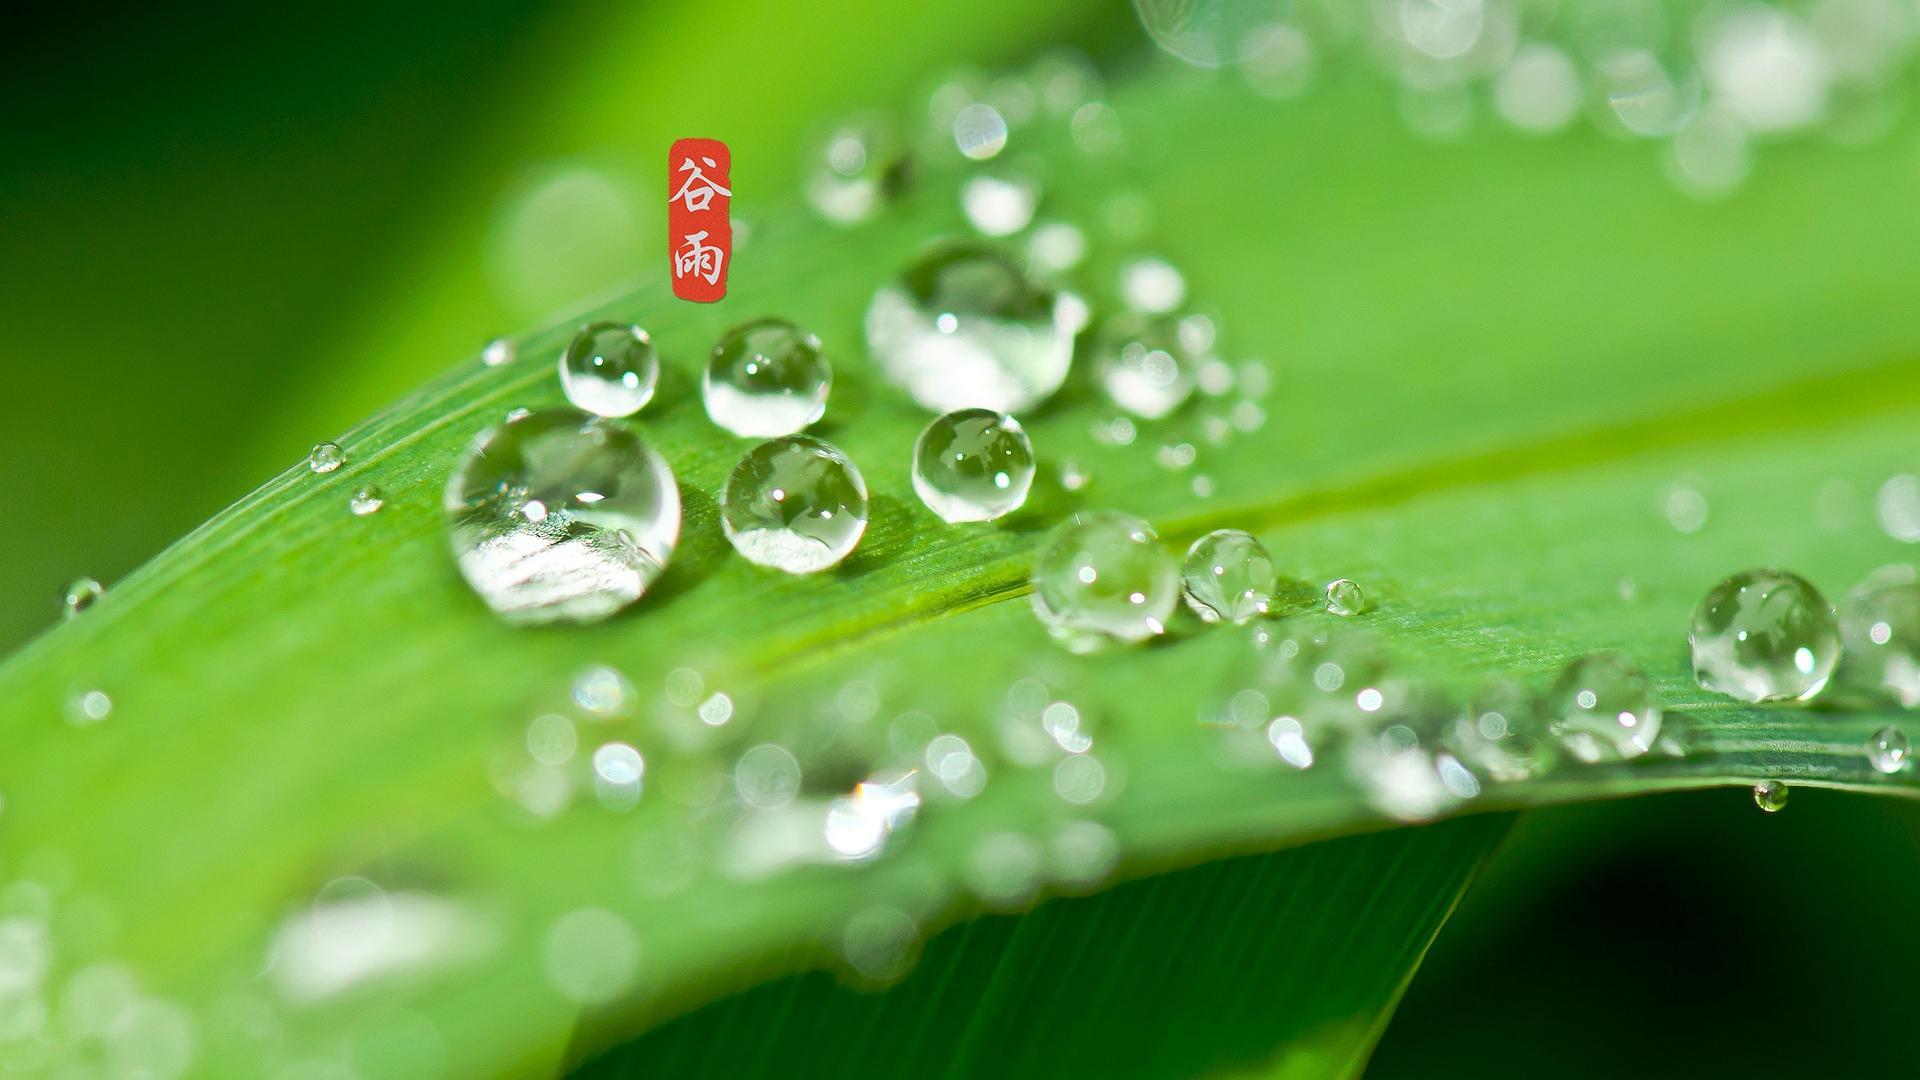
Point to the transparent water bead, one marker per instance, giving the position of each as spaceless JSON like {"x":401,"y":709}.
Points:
{"x":498,"y":352}
{"x":1603,"y":709}
{"x":558,"y":516}
{"x":80,"y":594}
{"x":795,"y":504}
{"x":366,"y":500}
{"x":1764,"y":635}
{"x":1104,"y":578}
{"x":766,"y":378}
{"x":1345,"y":597}
{"x":610,"y":369}
{"x":326,"y":457}
{"x":973,"y":465}
{"x":964,"y":328}
{"x":1770,"y":796}
{"x":1501,"y":735}
{"x":999,"y":205}
{"x":1229,"y":576}
{"x":1144,"y":368}
{"x":1887,"y":750}
{"x":1880,"y":631}
{"x":857,"y":168}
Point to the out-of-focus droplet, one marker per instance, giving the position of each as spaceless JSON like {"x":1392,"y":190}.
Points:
{"x":979,"y":131}
{"x":1501,"y":735}
{"x":1277,"y":61}
{"x":89,"y":707}
{"x":766,"y":378}
{"x":591,"y":956}
{"x":1152,"y":286}
{"x":857,"y":169}
{"x":610,"y":369}
{"x":767,"y":776}
{"x":1763,"y":65}
{"x":80,"y":594}
{"x":1539,"y":90}
{"x":1104,"y":578}
{"x":1143,"y":367}
{"x":999,"y":204}
{"x":603,"y":693}
{"x":1056,"y":247}
{"x":1764,"y":635}
{"x":499,"y":351}
{"x":326,"y":457}
{"x":973,"y":465}
{"x":1603,"y":709}
{"x":1880,"y":635}
{"x":561,"y":517}
{"x":1897,"y":504}
{"x":552,"y":740}
{"x":880,"y":943}
{"x":964,"y":328}
{"x":1229,"y":576}
{"x":1345,"y":597}
{"x":796,"y":504}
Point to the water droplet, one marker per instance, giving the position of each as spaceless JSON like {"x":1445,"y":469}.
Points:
{"x":684,"y":687}
{"x":880,"y":943}
{"x":1770,"y":796}
{"x":1079,"y":779}
{"x":795,"y":504}
{"x":561,"y":517}
{"x":326,"y":457}
{"x":860,"y":165}
{"x":979,"y":131}
{"x":1277,"y":61}
{"x":1685,"y":507}
{"x":618,"y":775}
{"x":355,"y":933}
{"x":1103,"y":577}
{"x":1603,"y":709}
{"x":973,"y":465}
{"x":999,"y":205}
{"x":858,"y":825}
{"x":610,"y":369}
{"x":956,"y":766}
{"x":603,"y":693}
{"x":1055,"y":248}
{"x":551,"y":739}
{"x":1151,"y":286}
{"x":1539,"y":90}
{"x":1084,"y":854}
{"x":1880,"y":632}
{"x":1345,"y":597}
{"x":366,"y":500}
{"x":81,"y":593}
{"x":1501,"y":735}
{"x":1176,"y":456}
{"x":1898,"y":506}
{"x":716,"y":710}
{"x":1887,"y":750}
{"x":1764,"y":635}
{"x":1003,"y":870}
{"x":1763,"y":65}
{"x":591,"y":956}
{"x":766,"y":378}
{"x":1229,"y":575}
{"x":1073,"y":475}
{"x":767,"y":777}
{"x":89,"y":707}
{"x":1143,"y":367}
{"x":964,"y":328}
{"x":152,"y":1039}
{"x":499,"y":351}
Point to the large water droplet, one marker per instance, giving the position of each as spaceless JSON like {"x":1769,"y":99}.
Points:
{"x":973,"y":465}
{"x":610,"y":369}
{"x":1102,"y":578}
{"x":1229,"y":575}
{"x":1764,"y":635}
{"x":795,"y":504}
{"x":1144,"y":368}
{"x":1887,"y":750}
{"x":1880,"y":630}
{"x":964,"y":328}
{"x":561,"y":517}
{"x":766,"y":378}
{"x":80,"y":594}
{"x":1603,"y":709}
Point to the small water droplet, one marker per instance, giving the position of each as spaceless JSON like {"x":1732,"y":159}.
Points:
{"x":1345,"y":597}
{"x":1880,"y":634}
{"x":880,"y":943}
{"x":1073,"y":475}
{"x":326,"y":457}
{"x":1177,"y":456}
{"x":1501,"y":735}
{"x":860,"y":165}
{"x":973,"y":465}
{"x":619,"y":773}
{"x":591,"y":956}
{"x":766,"y":378}
{"x":1103,"y":577}
{"x":603,"y":693}
{"x":999,"y":204}
{"x":859,"y":824}
{"x":1055,"y":248}
{"x":963,"y":328}
{"x":1003,"y":870}
{"x":1083,"y":854}
{"x":979,"y":131}
{"x":1764,"y":635}
{"x":1603,"y":709}
{"x":89,"y":707}
{"x":1898,"y":505}
{"x":1277,"y":61}
{"x":1229,"y":575}
{"x":610,"y":369}
{"x":1685,"y":507}
{"x":1887,"y":750}
{"x":684,"y":687}
{"x":366,"y":500}
{"x":767,"y":777}
{"x":498,"y":351}
{"x":1538,"y":91}
{"x":952,"y":762}
{"x":561,"y":517}
{"x":80,"y":594}
{"x":1151,"y":285}
{"x":796,"y":504}
{"x":1770,"y":796}
{"x":1143,"y":367}
{"x":1079,"y":779}
{"x":551,"y":739}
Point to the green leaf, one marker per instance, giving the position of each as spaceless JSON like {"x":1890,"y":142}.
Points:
{"x":1472,"y":422}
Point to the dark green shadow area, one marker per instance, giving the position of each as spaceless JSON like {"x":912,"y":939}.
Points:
{"x":1289,"y":963}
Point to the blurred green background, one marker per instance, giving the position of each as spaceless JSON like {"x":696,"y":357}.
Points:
{"x":232,"y":232}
